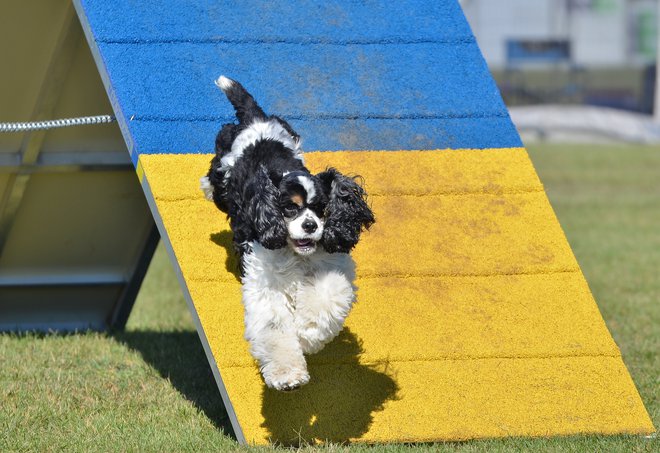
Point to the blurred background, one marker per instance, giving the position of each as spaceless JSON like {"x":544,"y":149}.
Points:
{"x":597,"y":54}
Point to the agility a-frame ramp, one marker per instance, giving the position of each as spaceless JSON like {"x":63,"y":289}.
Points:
{"x":473,"y":318}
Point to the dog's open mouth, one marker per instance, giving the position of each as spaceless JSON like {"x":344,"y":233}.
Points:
{"x":304,"y":245}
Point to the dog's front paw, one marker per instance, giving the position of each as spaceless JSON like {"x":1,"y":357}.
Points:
{"x":286,"y":379}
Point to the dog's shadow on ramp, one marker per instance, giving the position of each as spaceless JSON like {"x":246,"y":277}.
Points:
{"x":338,"y":403}
{"x":225,"y":239}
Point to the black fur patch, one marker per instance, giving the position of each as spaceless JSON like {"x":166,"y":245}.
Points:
{"x":347,"y":213}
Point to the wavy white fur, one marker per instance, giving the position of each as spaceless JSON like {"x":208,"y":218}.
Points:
{"x":294,"y":306}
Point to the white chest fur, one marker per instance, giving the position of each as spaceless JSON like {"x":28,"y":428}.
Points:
{"x":293,"y":301}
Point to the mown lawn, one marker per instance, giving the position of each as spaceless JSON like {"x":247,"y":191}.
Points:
{"x":150,"y":389}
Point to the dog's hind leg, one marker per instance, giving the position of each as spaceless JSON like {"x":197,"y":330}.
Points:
{"x":270,"y":330}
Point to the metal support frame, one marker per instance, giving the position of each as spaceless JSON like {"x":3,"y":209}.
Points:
{"x":74,"y":292}
{"x":125,"y":304}
{"x":69,"y":38}
{"x":67,"y":162}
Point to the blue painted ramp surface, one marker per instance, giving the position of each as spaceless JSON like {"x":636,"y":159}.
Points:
{"x":350,"y":75}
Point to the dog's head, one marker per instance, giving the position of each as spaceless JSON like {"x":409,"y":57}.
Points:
{"x":328,"y":210}
{"x":303,"y":202}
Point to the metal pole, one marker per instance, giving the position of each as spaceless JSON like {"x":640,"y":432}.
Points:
{"x":656,"y":109}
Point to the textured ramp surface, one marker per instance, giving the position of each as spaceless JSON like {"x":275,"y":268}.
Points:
{"x":355,"y":75}
{"x":473,"y":319}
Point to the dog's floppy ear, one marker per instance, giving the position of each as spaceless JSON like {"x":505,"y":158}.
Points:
{"x":347,"y":212}
{"x":263,"y":209}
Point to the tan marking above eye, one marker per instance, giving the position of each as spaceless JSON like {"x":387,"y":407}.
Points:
{"x":297,"y":199}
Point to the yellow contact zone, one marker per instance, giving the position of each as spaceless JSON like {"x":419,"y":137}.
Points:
{"x":442,"y":400}
{"x":473,"y":318}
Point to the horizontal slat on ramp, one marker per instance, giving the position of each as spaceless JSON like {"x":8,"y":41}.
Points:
{"x":451,"y":318}
{"x":279,"y":20}
{"x":459,"y":119}
{"x":384,"y":172}
{"x":196,"y":136}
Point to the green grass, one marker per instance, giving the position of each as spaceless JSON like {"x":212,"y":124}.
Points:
{"x":150,"y":389}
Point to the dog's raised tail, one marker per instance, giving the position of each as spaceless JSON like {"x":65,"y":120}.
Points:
{"x":247,"y":109}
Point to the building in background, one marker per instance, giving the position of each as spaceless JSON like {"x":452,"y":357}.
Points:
{"x":596,"y":52}
{"x":600,"y":33}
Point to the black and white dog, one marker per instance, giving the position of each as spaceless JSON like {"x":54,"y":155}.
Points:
{"x":292,"y":232}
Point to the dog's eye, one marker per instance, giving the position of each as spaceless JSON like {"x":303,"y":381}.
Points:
{"x":318,"y":209}
{"x":291,"y":211}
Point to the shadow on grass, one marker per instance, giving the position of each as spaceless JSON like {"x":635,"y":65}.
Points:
{"x":180,"y":357}
{"x":337,"y":405}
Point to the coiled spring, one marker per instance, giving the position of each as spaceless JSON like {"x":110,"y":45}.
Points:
{"x":52,"y":124}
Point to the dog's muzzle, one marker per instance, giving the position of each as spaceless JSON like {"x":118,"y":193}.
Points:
{"x":303,"y":246}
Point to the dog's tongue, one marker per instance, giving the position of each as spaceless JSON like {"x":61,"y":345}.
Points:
{"x":303,"y":242}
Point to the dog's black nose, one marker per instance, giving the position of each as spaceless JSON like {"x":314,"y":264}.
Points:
{"x":309,"y":226}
